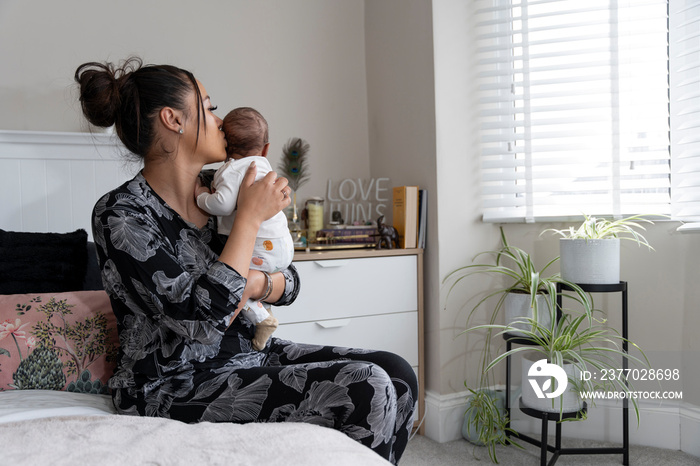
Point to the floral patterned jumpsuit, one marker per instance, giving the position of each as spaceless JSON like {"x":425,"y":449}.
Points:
{"x":180,"y":359}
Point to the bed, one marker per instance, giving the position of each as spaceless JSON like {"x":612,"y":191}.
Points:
{"x":57,"y":350}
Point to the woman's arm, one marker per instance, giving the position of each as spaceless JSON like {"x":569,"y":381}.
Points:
{"x":161,"y":267}
{"x":290,"y":285}
{"x":284,"y":285}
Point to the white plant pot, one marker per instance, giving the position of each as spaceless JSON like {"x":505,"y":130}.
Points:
{"x":590,"y":262}
{"x":568,"y":402}
{"x":517,"y":306}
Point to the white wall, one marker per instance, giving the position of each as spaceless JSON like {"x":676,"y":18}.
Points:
{"x":300,"y":62}
{"x":401,"y":96}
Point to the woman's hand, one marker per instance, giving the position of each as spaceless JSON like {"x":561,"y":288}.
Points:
{"x":263,"y":198}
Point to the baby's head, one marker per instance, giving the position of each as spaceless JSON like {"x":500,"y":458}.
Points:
{"x":246,"y":133}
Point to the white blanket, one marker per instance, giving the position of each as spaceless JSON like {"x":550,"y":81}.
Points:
{"x":22,"y":405}
{"x":129,"y":440}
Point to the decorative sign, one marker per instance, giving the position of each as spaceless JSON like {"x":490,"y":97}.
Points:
{"x":358,"y":201}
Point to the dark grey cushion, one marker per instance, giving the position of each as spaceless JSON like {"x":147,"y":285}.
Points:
{"x":93,"y":276}
{"x":42,"y":262}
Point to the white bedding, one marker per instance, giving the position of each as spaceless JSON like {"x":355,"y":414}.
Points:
{"x":22,"y":405}
{"x":40,"y":427}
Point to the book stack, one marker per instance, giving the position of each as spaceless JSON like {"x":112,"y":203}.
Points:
{"x":348,"y":235}
{"x":410,"y":215}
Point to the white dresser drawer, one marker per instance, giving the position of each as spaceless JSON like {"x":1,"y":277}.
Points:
{"x":353,"y":287}
{"x":397,"y":333}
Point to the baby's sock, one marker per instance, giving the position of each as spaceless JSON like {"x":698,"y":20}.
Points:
{"x":263,"y":330}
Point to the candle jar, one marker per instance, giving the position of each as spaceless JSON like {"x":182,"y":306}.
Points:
{"x":314,"y":209}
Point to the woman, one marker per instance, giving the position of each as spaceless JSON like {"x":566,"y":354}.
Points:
{"x":175,"y":285}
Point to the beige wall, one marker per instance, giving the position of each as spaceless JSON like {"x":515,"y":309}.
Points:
{"x":690,"y":290}
{"x":401,"y":104}
{"x":300,"y":62}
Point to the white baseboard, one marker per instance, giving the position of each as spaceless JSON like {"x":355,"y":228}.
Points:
{"x":444,"y":414}
{"x":670,"y":425}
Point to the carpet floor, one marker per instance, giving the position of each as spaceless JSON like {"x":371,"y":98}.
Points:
{"x":422,"y":451}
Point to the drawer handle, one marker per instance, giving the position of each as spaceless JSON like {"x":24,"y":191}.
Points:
{"x":331,"y":263}
{"x":334,"y":323}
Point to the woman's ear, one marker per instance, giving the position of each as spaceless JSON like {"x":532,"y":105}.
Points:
{"x":172,"y":119}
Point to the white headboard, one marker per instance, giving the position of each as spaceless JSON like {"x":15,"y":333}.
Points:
{"x":50,"y":181}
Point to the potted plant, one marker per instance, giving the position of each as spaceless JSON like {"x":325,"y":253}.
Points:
{"x":590,"y":254}
{"x":485,"y":420}
{"x":578,"y":338}
{"x":528,"y":292}
{"x":528,"y":300}
{"x":585,"y":345}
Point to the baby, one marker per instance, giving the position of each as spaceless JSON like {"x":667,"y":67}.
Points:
{"x":247,"y":137}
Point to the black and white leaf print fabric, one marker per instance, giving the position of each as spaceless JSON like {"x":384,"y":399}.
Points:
{"x":184,"y":356}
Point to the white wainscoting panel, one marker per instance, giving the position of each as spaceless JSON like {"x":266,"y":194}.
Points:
{"x":50,"y":181}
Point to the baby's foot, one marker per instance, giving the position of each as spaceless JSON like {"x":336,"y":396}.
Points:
{"x":263,"y":330}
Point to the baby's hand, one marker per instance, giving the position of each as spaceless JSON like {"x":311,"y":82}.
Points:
{"x":199,"y":189}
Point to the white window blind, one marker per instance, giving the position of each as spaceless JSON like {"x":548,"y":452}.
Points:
{"x":573,"y":108}
{"x":684,"y":66}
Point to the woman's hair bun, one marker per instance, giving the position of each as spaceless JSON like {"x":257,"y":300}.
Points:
{"x":100,"y":85}
{"x":130,"y":95}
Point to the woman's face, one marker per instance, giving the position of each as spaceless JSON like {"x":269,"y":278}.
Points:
{"x":211,"y":147}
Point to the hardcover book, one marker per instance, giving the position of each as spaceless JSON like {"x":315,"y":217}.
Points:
{"x":405,"y":211}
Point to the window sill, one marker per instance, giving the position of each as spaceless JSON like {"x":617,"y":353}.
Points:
{"x":689,"y":228}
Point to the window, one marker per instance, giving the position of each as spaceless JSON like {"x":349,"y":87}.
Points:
{"x":684,"y":35}
{"x":574,"y":108}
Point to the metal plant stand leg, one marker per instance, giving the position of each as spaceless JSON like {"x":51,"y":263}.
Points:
{"x":542,"y":442}
{"x":625,"y":401}
{"x":543,"y":446}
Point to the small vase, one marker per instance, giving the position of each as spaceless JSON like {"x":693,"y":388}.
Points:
{"x":314,"y":207}
{"x":294,"y":225}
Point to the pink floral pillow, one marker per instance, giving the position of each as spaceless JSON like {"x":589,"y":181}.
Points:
{"x":57,"y":341}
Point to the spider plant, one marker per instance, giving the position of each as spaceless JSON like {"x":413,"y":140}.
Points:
{"x":601,"y":228}
{"x":487,"y":421}
{"x":522,"y":276}
{"x":589,"y":345}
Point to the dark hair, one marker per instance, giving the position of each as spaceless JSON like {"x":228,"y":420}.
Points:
{"x":131,"y":95}
{"x":246,"y":131}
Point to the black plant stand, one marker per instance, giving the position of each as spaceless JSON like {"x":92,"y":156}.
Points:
{"x":542,"y":443}
{"x":546,"y":417}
